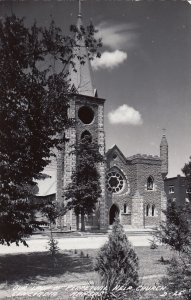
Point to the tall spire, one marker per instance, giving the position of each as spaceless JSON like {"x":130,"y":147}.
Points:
{"x":81,"y":80}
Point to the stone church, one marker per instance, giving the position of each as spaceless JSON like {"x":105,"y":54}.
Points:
{"x":132,"y":187}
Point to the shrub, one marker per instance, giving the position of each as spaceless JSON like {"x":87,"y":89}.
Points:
{"x":153,"y":244}
{"x":53,"y":248}
{"x":117,"y":263}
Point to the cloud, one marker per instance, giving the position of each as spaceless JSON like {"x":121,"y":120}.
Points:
{"x":114,"y":37}
{"x":117,"y":36}
{"x":125,"y":114}
{"x":109,"y":60}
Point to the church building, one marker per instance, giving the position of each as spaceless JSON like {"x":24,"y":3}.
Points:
{"x":132,"y":187}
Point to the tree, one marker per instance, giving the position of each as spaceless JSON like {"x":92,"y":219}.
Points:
{"x":178,"y":277}
{"x":84,"y":191}
{"x":175,"y":231}
{"x":178,"y":236}
{"x":187,"y":172}
{"x":117,"y":263}
{"x":53,"y":248}
{"x":35,"y":91}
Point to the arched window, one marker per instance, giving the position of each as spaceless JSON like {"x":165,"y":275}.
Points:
{"x":113,"y":213}
{"x":147,"y":210}
{"x":150,"y":183}
{"x":86,"y":135}
{"x":125,"y":208}
{"x":153,"y":210}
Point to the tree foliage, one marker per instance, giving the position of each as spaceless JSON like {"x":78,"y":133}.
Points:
{"x":35,"y":91}
{"x":179,"y":276}
{"x":187,"y":172}
{"x":117,"y":264}
{"x":84,"y":191}
{"x":175,"y":231}
{"x":178,"y":236}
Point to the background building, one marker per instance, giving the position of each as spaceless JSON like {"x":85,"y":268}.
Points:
{"x":177,"y":190}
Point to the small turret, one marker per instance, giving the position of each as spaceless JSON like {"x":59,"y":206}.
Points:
{"x":164,"y":155}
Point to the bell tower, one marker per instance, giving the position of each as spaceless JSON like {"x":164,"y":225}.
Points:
{"x":87,"y":110}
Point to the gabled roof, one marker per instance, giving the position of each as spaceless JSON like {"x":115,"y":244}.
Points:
{"x":115,"y":149}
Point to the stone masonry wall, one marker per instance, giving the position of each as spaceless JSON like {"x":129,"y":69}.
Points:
{"x":137,"y":220}
{"x":103,"y":209}
{"x":67,"y":161}
{"x":150,"y":197}
{"x":96,"y":129}
{"x":136,"y":171}
{"x":125,"y":196}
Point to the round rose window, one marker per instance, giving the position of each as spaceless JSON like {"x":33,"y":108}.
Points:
{"x":114,"y":182}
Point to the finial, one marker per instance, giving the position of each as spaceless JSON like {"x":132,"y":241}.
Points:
{"x":79,"y":8}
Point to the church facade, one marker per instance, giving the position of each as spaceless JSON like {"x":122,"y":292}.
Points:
{"x":135,"y":187}
{"x":132,"y":187}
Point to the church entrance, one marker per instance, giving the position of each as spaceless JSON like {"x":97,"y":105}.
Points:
{"x":113,"y":213}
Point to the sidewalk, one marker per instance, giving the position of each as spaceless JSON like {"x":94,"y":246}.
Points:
{"x":39,"y":243}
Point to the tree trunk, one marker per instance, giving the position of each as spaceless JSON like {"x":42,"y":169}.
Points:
{"x":82,"y":221}
{"x":77,"y":221}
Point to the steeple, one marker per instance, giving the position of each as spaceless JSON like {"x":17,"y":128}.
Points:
{"x":164,"y":155}
{"x":82,"y":79}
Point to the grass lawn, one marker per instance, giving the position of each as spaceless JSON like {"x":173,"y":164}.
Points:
{"x":37,"y":271}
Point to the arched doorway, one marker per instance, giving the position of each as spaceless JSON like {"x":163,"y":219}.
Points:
{"x":113,"y":213}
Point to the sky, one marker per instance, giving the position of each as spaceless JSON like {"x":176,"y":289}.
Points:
{"x":144,"y":72}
